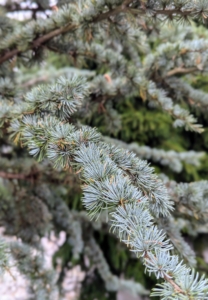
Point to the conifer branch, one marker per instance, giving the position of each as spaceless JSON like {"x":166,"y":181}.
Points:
{"x":176,"y":287}
{"x":171,"y":159}
{"x":38,"y":42}
{"x":114,"y":181}
{"x":69,"y":27}
{"x":192,"y":96}
{"x":181,"y":71}
{"x":171,"y":12}
{"x":122,"y":8}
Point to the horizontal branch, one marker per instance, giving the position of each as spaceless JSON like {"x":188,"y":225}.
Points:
{"x":18,"y":175}
{"x":12,"y":175}
{"x":181,"y":71}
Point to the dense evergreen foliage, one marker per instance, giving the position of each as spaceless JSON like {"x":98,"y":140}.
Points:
{"x":91,"y":92}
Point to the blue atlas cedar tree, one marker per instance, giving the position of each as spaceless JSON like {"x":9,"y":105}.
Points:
{"x":116,"y":50}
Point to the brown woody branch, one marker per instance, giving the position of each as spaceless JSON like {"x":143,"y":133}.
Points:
{"x":176,"y":287}
{"x":12,"y":176}
{"x":34,"y":81}
{"x":181,"y":71}
{"x":23,"y":176}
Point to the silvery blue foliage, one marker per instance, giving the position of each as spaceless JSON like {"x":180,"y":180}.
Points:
{"x":114,"y":180}
{"x":172,"y":159}
{"x":117,"y":181}
{"x":163,"y":265}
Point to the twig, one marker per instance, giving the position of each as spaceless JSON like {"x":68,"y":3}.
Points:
{"x":176,"y":287}
{"x":18,"y":176}
{"x":171,"y":281}
{"x":181,"y":71}
{"x":34,"y":81}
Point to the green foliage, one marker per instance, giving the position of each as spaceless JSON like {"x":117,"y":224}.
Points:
{"x":93,"y":288}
